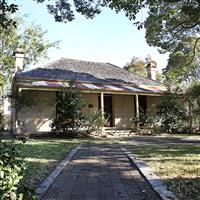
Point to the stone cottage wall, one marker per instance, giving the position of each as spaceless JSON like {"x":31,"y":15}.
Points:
{"x":91,"y":101}
{"x":123,"y":111}
{"x":38,"y":110}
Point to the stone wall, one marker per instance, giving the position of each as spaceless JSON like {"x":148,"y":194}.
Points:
{"x":38,"y":110}
{"x":38,"y":115}
{"x":91,"y":101}
{"x":123,"y":111}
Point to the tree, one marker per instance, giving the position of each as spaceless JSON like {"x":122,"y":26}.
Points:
{"x":172,"y":21}
{"x":159,"y":76}
{"x":6,"y":9}
{"x":137,"y":66}
{"x":69,"y":107}
{"x":31,"y":38}
{"x":167,"y":21}
{"x":183,"y":64}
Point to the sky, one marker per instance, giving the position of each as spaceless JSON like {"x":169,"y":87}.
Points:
{"x":109,"y":37}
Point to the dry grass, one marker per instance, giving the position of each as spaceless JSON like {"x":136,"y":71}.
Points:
{"x":178,"y":165}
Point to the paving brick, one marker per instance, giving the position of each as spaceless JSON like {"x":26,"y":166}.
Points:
{"x":100,"y":172}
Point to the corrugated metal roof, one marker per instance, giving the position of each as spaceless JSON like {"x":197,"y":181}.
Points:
{"x":91,"y":86}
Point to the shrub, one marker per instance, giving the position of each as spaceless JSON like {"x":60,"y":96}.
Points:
{"x":69,"y":105}
{"x":193,"y":99}
{"x":171,"y":115}
{"x":95,"y":122}
{"x":145,"y":118}
{"x":149,"y":122}
{"x":11,"y":173}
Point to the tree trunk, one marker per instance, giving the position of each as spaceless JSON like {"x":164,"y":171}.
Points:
{"x":190,"y":115}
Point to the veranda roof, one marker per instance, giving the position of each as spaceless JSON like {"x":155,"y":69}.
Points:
{"x":92,"y":86}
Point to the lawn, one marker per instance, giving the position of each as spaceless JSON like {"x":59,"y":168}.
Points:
{"x":42,"y":156}
{"x":178,"y":165}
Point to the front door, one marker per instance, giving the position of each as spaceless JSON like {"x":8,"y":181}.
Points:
{"x":107,"y":109}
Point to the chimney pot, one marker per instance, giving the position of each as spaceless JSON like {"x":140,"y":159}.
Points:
{"x":19,"y":59}
{"x":151,"y":70}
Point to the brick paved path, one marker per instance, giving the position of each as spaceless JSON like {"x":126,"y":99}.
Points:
{"x":100,"y":172}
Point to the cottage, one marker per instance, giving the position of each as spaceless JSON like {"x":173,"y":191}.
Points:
{"x":104,"y":87}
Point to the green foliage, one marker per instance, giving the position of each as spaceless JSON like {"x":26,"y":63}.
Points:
{"x":171,"y":21}
{"x":95,"y":122}
{"x":69,"y":107}
{"x":6,"y":9}
{"x":193,"y":98}
{"x":156,"y":130}
{"x":150,"y":122}
{"x":11,"y":172}
{"x":159,"y":76}
{"x":167,"y":21}
{"x":137,"y":66}
{"x":145,"y":118}
{"x":183,"y":63}
{"x":31,"y":38}
{"x":194,"y":91}
{"x":171,"y":116}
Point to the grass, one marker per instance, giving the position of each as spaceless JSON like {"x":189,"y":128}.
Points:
{"x":42,"y":155}
{"x":178,"y":165}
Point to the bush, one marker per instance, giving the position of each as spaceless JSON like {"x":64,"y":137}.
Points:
{"x":171,"y":116}
{"x":193,"y":99}
{"x":69,"y":105}
{"x":149,"y":122}
{"x":95,"y":122}
{"x":11,"y":173}
{"x":145,"y":118}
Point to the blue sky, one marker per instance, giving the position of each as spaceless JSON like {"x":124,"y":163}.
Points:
{"x":109,"y":37}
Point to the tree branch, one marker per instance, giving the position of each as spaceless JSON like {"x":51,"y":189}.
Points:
{"x":194,"y":51}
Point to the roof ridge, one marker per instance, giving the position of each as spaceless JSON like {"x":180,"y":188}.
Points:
{"x":79,"y":60}
{"x":134,"y":73}
{"x":50,"y":63}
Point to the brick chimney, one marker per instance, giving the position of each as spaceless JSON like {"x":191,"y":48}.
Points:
{"x":19,"y":59}
{"x":151,"y":69}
